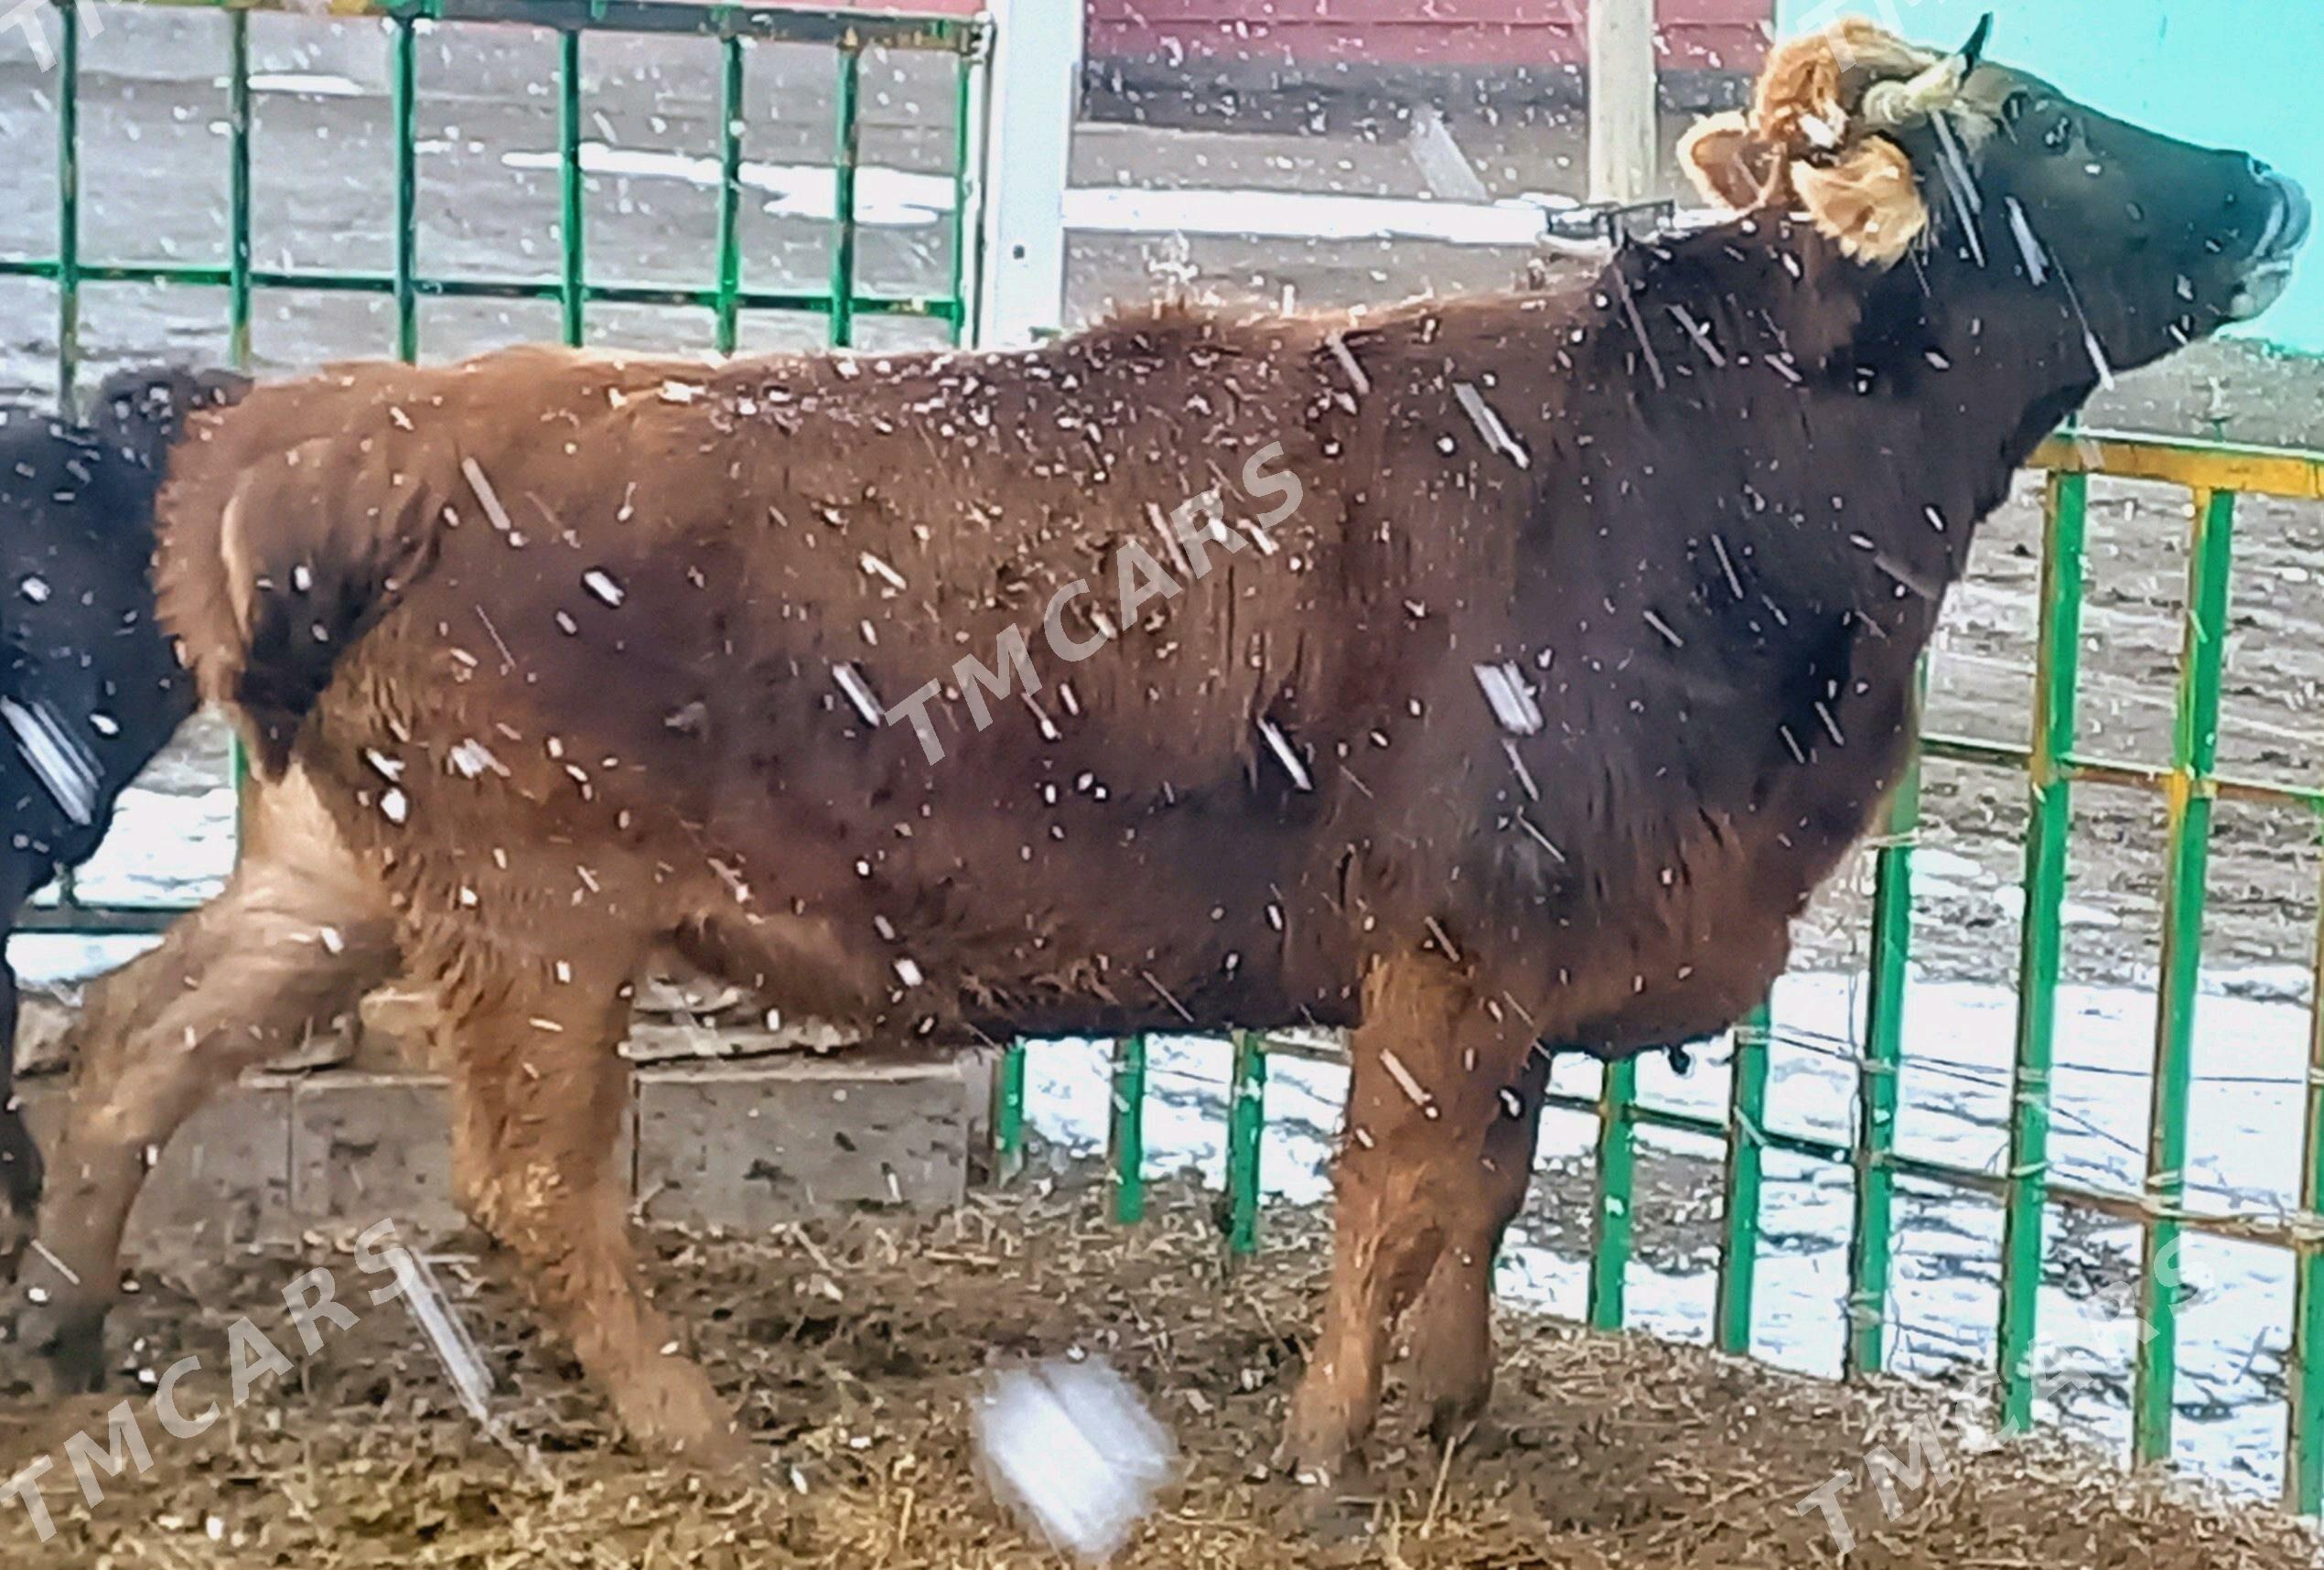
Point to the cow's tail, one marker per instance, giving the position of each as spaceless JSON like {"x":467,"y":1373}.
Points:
{"x":287,"y":535}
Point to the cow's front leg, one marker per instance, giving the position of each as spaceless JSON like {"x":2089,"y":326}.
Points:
{"x":1450,"y":1330}
{"x":1430,"y":1062}
{"x":539,"y":1093}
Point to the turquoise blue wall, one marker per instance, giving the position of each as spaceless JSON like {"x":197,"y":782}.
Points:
{"x":2231,"y":73}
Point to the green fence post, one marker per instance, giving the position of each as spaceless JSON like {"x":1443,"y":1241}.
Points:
{"x":1746,"y":1151}
{"x":2304,"y":1451}
{"x":2189,"y":792}
{"x":238,"y":294}
{"x":404,"y":68}
{"x":1127,"y":1140}
{"x":964,"y":185}
{"x":851,"y":146}
{"x":2057,"y":669}
{"x":1008,"y":1113}
{"x":1246,"y":1130}
{"x":68,"y":207}
{"x":1616,"y":1185}
{"x":237,"y":188}
{"x":68,"y":263}
{"x":1871,"y":1232}
{"x":572,"y":290}
{"x":730,"y":115}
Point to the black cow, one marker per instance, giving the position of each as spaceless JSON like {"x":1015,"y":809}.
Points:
{"x":90,"y":688}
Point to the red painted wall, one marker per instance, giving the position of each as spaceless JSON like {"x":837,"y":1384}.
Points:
{"x":1697,"y":34}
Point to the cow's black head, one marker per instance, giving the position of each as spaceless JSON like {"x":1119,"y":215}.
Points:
{"x":139,"y":412}
{"x":2128,"y":243}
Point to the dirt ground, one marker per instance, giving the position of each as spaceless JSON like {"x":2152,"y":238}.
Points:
{"x":856,"y":1352}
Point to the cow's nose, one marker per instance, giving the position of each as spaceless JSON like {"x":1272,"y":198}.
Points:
{"x":2291,"y":216}
{"x":2300,"y":214}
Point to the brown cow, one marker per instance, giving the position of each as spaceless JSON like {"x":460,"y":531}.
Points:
{"x":1531,"y":659}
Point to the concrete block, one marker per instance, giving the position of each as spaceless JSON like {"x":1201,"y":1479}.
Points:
{"x":689,"y":1039}
{"x":225,"y":1178}
{"x":395,"y":1033}
{"x":44,"y":1033}
{"x":750,"y":1146}
{"x":223,"y":1182}
{"x":373,"y":1147}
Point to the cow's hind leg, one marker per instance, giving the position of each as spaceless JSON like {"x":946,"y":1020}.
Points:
{"x":1421,"y":1104}
{"x":1450,"y":1330}
{"x":540,"y":1089}
{"x":288,"y":946}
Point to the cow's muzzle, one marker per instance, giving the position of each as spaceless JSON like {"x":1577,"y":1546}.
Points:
{"x":2291,"y":218}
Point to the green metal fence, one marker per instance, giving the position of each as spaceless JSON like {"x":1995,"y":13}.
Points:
{"x":727,"y":294}
{"x":2215,"y":474}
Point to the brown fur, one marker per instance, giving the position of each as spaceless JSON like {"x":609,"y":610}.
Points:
{"x":573,"y":650}
{"x":1804,"y":141}
{"x":1732,"y":166}
{"x":1823,"y":75}
{"x":1869,"y":202}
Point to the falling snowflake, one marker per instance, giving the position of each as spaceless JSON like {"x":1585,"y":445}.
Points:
{"x":1512,"y":698}
{"x":1071,"y":1445}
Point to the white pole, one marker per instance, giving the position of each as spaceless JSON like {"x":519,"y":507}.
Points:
{"x":1035,"y":89}
{"x":1624,"y":128}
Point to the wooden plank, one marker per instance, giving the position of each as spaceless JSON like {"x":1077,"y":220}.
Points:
{"x":1624,"y":130}
{"x":1032,"y":101}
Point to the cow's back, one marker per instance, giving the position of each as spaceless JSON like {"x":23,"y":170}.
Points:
{"x":682,"y":606}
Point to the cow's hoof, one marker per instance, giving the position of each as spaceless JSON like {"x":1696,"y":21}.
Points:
{"x":669,"y":1407}
{"x":65,"y":1343}
{"x":1319,"y":1442}
{"x":1476,"y":1433}
{"x":1336,"y":1517}
{"x":1453,"y":1419}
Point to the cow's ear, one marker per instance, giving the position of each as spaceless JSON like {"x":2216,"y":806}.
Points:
{"x":1727,"y":162}
{"x":1868,"y":201}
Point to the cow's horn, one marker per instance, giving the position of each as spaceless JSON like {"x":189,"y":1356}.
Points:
{"x":1891,"y":105}
{"x":1974,"y":52}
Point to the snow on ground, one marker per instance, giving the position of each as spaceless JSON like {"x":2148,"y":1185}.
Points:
{"x":890,"y":198}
